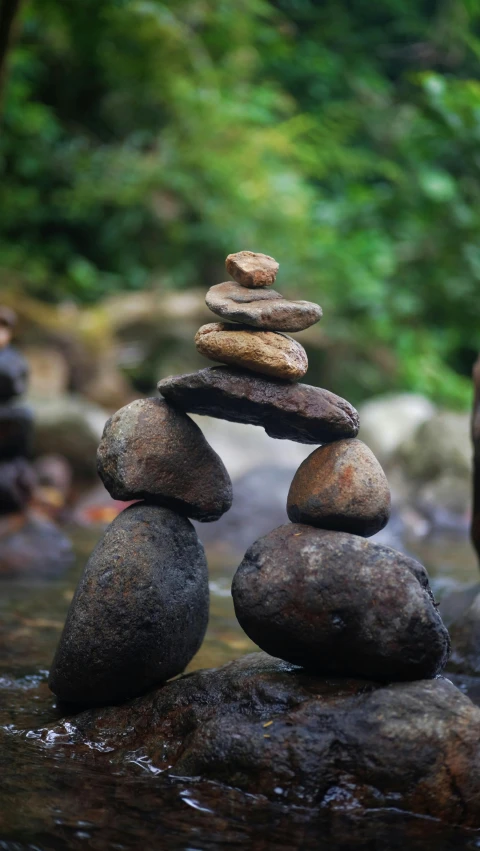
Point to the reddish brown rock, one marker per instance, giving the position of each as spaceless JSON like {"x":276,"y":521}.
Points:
{"x":339,"y":605}
{"x":150,"y":450}
{"x":287,"y":411}
{"x":266,"y":352}
{"x":341,"y":486}
{"x":261,"y":308}
{"x":252,"y":270}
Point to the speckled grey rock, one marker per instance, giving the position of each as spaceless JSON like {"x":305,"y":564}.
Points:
{"x":16,"y":429}
{"x":341,"y":486}
{"x":287,"y":411}
{"x":261,"y":308}
{"x":13,"y":373}
{"x":140,"y":610}
{"x":150,"y":450}
{"x":337,"y":604}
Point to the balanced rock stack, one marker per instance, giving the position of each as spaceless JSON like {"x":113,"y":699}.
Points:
{"x":16,"y":423}
{"x":313,"y":592}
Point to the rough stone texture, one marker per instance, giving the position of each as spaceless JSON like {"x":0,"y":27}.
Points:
{"x":252,"y":270}
{"x":339,"y":605}
{"x":140,"y":610}
{"x":13,"y":373}
{"x":32,"y":547}
{"x":16,"y":427}
{"x":262,"y":308}
{"x":17,"y":481}
{"x":267,"y":352}
{"x":150,"y":450}
{"x":341,"y":486}
{"x":266,"y":727}
{"x":288,"y":411}
{"x":465,"y":635}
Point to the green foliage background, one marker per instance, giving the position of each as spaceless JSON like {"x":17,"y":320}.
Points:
{"x":143,"y":140}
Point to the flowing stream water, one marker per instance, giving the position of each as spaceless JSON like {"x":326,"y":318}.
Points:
{"x":47,"y":802}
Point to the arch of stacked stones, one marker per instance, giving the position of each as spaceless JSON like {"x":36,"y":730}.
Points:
{"x":313,"y":592}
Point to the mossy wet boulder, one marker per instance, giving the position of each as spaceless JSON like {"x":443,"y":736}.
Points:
{"x":150,"y":450}
{"x":140,"y":610}
{"x":339,"y":605}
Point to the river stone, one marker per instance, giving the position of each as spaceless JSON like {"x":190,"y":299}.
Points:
{"x":339,"y":605}
{"x":13,"y":373}
{"x":297,"y":412}
{"x":341,"y":486}
{"x":271,"y":729}
{"x":17,"y":482}
{"x":140,"y":610}
{"x":150,"y":450}
{"x":267,"y":352}
{"x":252,"y":270}
{"x":262,"y":308}
{"x":16,"y":427}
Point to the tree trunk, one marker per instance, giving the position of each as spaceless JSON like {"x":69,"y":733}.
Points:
{"x":9,"y":10}
{"x":476,"y":457}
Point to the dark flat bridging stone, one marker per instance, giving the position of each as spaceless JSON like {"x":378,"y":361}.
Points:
{"x":287,"y":411}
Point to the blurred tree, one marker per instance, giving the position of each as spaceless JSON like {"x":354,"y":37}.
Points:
{"x":9,"y":10}
{"x":143,"y":140}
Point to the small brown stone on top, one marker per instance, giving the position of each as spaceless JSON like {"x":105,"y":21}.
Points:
{"x":252,"y":270}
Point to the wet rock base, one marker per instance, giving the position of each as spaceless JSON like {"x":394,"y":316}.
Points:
{"x":268,"y":728}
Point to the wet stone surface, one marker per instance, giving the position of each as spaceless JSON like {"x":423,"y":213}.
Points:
{"x":262,"y":308}
{"x":296,"y":412}
{"x":339,"y":605}
{"x":139,"y":613}
{"x":152,"y":451}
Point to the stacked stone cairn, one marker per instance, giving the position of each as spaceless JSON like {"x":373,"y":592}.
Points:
{"x":16,"y":423}
{"x":313,"y":592}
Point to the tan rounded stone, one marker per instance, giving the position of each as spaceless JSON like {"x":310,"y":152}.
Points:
{"x":341,"y":487}
{"x":267,"y":352}
{"x":252,"y":270}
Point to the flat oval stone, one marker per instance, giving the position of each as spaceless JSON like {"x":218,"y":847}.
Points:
{"x":140,"y":610}
{"x":267,"y":352}
{"x":286,"y":411}
{"x":265,"y":308}
{"x":152,"y":451}
{"x":251,"y":269}
{"x":17,"y":482}
{"x":339,"y":605}
{"x":341,"y":486}
{"x":16,"y":429}
{"x":13,"y":373}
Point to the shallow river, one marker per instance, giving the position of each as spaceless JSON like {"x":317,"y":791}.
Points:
{"x":47,"y":802}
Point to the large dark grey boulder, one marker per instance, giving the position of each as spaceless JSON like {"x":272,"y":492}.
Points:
{"x":296,"y":412}
{"x":150,"y":450}
{"x":270,"y":729}
{"x":140,"y":610}
{"x":337,"y":604}
{"x":17,"y":482}
{"x":13,"y":373}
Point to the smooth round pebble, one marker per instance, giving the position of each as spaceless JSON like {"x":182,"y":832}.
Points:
{"x":341,"y":486}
